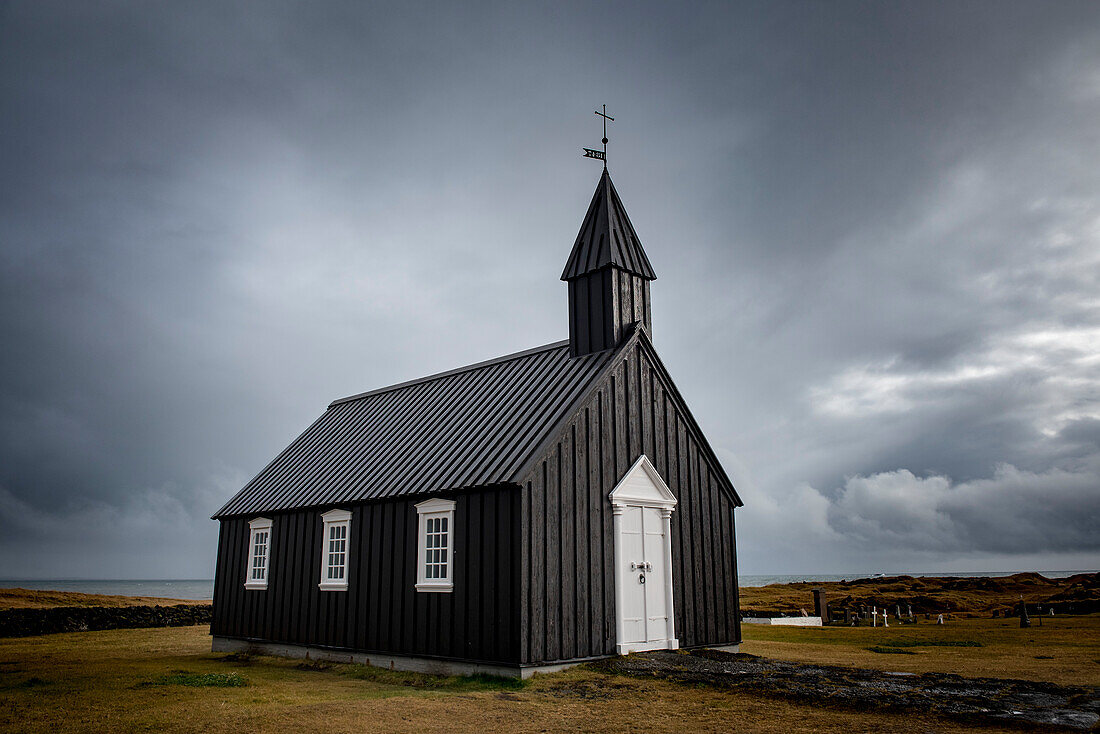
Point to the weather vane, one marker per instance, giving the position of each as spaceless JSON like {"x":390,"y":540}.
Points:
{"x":600,"y":155}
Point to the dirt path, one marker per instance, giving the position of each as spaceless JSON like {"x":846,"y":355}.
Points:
{"x":970,"y":699}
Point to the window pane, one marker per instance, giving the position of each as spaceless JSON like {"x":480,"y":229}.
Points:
{"x":435,"y":546}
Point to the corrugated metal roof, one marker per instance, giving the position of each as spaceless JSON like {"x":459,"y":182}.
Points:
{"x":607,"y":238}
{"x":468,"y":427}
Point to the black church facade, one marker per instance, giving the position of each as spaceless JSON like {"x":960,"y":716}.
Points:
{"x":516,"y":515}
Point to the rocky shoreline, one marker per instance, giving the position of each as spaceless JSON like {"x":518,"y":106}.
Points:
{"x":27,"y":622}
{"x":988,"y":700}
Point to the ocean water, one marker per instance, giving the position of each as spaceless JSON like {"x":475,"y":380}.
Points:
{"x":204,"y":588}
{"x":169,"y":588}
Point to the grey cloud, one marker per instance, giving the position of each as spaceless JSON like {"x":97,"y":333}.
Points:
{"x":1011,"y":512}
{"x":875,"y":231}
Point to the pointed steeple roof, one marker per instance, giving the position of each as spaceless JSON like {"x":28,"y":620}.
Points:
{"x":607,"y":238}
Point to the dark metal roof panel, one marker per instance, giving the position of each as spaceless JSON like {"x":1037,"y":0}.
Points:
{"x":468,"y":427}
{"x":607,"y":238}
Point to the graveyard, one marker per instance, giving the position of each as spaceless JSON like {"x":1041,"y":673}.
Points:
{"x":926,"y":597}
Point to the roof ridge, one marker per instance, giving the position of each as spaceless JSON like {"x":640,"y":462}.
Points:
{"x":455,"y":371}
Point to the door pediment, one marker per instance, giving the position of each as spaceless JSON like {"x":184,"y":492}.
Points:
{"x":643,"y":485}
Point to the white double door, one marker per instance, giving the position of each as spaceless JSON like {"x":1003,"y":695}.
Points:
{"x":645,"y":580}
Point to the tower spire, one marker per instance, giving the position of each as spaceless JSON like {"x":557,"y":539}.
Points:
{"x":608,"y":274}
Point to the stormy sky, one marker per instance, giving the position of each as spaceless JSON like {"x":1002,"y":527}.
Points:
{"x":876,"y":230}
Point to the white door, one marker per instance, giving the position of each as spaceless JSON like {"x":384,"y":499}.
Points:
{"x":643,"y":557}
{"x":645,"y":616}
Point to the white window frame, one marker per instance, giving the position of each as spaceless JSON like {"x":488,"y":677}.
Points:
{"x":430,"y":510}
{"x":256,"y":527}
{"x":329,"y":520}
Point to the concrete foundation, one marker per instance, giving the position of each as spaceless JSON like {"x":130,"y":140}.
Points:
{"x":434,"y":666}
{"x":726,"y":648}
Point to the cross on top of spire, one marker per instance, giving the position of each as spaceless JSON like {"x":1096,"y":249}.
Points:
{"x":601,"y":155}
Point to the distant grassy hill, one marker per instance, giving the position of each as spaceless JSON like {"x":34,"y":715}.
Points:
{"x":37,"y":599}
{"x":1079,"y":594}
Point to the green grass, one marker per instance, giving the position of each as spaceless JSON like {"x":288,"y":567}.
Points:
{"x":890,"y":650}
{"x":389,"y":682}
{"x":200,"y":680}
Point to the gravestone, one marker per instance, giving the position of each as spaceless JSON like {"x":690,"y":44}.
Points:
{"x":821,"y":606}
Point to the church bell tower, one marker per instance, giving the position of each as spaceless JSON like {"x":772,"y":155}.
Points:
{"x":608,"y":275}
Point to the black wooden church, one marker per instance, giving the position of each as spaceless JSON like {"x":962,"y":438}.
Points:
{"x":516,"y":515}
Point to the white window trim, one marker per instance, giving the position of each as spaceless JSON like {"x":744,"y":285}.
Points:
{"x":260,"y":524}
{"x":430,"y":509}
{"x":328,"y":520}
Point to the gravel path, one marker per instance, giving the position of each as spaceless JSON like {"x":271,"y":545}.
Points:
{"x":971,"y":699}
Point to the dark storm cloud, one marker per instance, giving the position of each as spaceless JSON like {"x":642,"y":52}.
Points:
{"x":876,"y":230}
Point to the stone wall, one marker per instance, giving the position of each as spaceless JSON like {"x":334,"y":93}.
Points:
{"x":25,"y":622}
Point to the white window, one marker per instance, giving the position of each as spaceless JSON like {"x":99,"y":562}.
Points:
{"x":259,"y":547}
{"x":336,"y":531}
{"x":435,"y":548}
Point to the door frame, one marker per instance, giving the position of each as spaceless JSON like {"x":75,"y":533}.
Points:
{"x":625,"y":495}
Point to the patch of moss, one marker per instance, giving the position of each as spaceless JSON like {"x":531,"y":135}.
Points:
{"x":200,"y":680}
{"x":33,"y":682}
{"x":890,"y":650}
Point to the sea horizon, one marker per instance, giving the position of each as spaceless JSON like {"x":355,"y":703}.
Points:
{"x":197,"y":589}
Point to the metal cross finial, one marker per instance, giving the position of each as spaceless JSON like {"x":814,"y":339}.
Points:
{"x":588,"y":152}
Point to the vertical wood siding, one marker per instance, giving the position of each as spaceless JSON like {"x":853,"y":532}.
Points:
{"x":381,"y":611}
{"x":567,"y":575}
{"x":603,"y":305}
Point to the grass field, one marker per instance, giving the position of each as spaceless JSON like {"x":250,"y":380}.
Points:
{"x":1064,"y":650}
{"x":167,"y":679}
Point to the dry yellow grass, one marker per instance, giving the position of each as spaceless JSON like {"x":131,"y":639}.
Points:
{"x":1065,"y":650}
{"x":110,"y":681}
{"x":38,"y":599}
